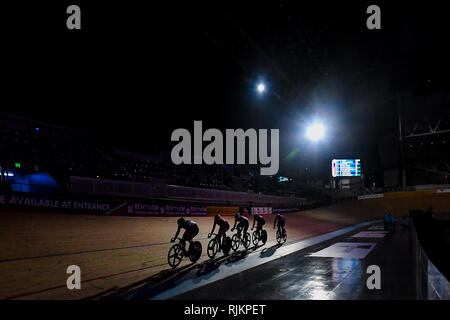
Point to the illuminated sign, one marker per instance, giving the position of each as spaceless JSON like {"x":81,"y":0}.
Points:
{"x":282,"y":179}
{"x":346,"y":167}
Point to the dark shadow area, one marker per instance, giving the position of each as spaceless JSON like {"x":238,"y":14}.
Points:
{"x":211,"y":265}
{"x":300,"y":276}
{"x":166,"y":279}
{"x":238,"y":255}
{"x":434,"y":237}
{"x":160,"y":281}
{"x":267,"y":252}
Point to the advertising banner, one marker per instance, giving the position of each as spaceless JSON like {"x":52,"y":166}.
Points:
{"x":261,"y":210}
{"x":198,"y":211}
{"x":156,"y":209}
{"x":175,"y":210}
{"x":55,"y":202}
{"x":226,"y":211}
{"x":281,"y":210}
{"x":145,"y":209}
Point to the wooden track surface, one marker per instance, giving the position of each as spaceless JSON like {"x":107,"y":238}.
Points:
{"x":36,"y":248}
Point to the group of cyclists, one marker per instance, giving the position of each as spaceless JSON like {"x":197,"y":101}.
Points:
{"x":241,"y":224}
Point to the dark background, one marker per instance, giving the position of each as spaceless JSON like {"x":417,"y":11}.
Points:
{"x":138,"y":70}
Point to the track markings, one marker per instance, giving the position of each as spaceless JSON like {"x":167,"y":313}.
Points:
{"x":370,"y":234}
{"x":347,"y":250}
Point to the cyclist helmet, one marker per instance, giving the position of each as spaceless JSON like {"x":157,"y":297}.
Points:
{"x":278,"y":215}
{"x":238,"y":215}
{"x":217,"y":218}
{"x":181,"y":221}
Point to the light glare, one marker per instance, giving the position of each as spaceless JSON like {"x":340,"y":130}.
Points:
{"x":261,"y":88}
{"x":315,"y":131}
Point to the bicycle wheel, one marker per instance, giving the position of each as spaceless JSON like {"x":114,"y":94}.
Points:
{"x":279,"y":238}
{"x":255,"y":238}
{"x":213,"y":247}
{"x":175,"y":255}
{"x":227,"y":246}
{"x":235,"y":242}
{"x":247,"y":240}
{"x":196,"y":252}
{"x":284,"y":236}
{"x":264,"y":236}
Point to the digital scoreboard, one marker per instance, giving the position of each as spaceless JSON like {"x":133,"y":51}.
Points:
{"x":346,"y":168}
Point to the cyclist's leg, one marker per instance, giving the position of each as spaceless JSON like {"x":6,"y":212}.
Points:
{"x":218,"y":237}
{"x":225,"y":229}
{"x":183,"y":240}
{"x":222,"y":237}
{"x":219,"y":240}
{"x":259,"y":228}
{"x":239,"y":228}
{"x":245,"y":227}
{"x":192,"y":234}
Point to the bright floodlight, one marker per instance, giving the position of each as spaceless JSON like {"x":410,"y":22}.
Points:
{"x":261,"y":88}
{"x":315,"y":131}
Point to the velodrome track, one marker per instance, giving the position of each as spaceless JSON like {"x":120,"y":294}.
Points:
{"x":114,"y":252}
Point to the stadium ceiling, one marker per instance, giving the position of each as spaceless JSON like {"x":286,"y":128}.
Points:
{"x":303,"y":46}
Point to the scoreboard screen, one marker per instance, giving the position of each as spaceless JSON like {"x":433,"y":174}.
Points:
{"x":346,"y":167}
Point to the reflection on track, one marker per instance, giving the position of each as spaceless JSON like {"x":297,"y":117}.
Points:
{"x":301,"y":276}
